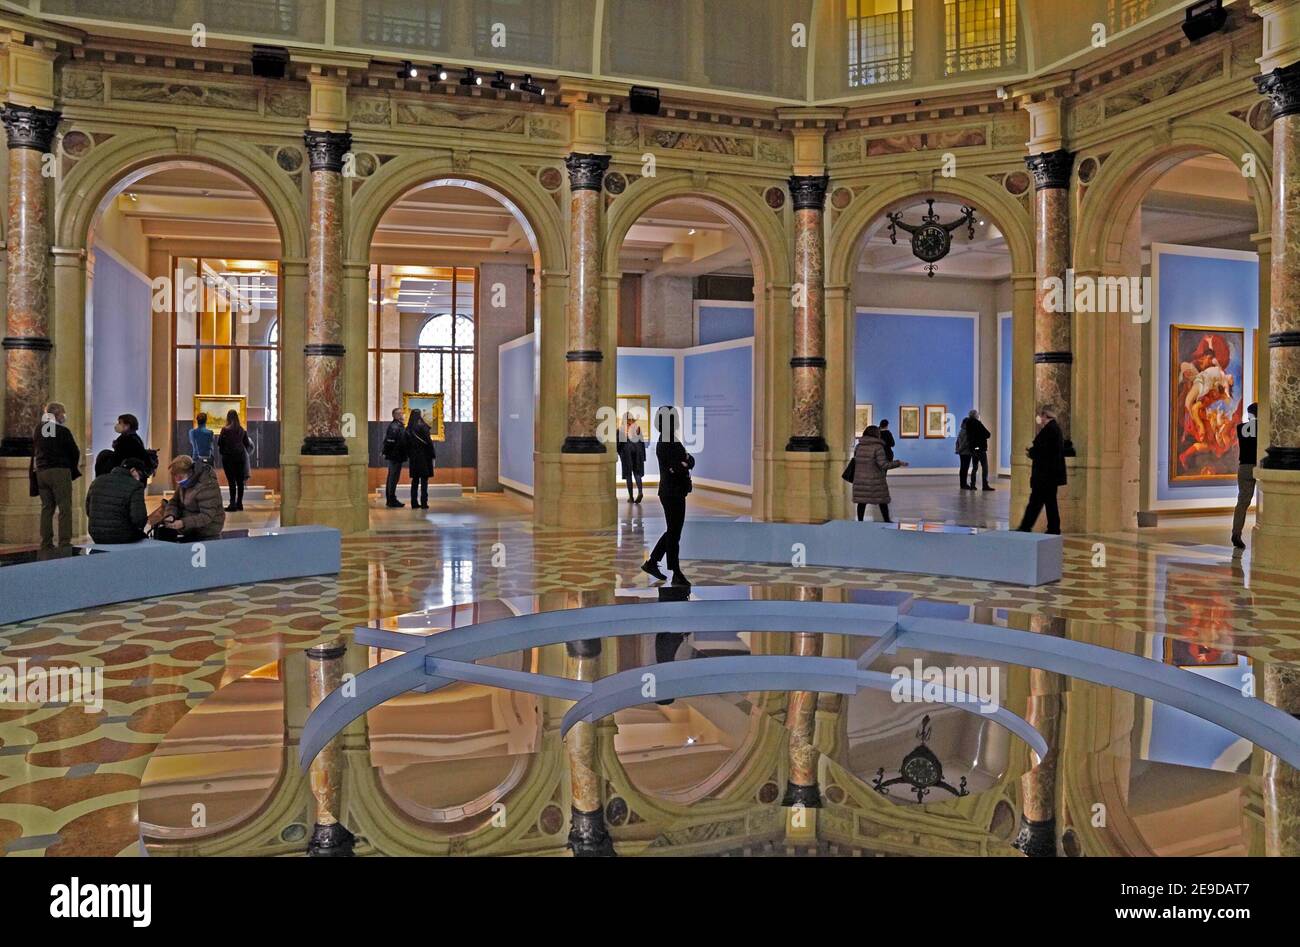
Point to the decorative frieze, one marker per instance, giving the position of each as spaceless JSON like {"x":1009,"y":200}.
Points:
{"x":428,"y":113}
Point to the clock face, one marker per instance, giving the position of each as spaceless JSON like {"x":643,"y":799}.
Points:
{"x":921,"y":771}
{"x":931,"y":242}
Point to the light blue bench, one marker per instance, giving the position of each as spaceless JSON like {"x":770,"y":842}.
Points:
{"x":956,"y":551}
{"x":149,"y":568}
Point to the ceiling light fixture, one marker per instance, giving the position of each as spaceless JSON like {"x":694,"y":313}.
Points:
{"x":471,"y":77}
{"x":500,"y":82}
{"x":407,"y":70}
{"x":531,"y":87}
{"x":440,"y":73}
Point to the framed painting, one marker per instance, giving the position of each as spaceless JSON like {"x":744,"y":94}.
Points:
{"x":430,"y":405}
{"x":1206,"y":402}
{"x":864,"y":415}
{"x":1192,"y":654}
{"x":909,"y":420}
{"x":934,"y":420}
{"x":639,"y":407}
{"x":216,"y":407}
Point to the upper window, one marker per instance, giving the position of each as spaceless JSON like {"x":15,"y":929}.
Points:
{"x":981,"y":34}
{"x":446,"y":363}
{"x":880,"y":41}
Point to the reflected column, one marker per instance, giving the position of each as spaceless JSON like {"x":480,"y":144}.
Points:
{"x":801,"y":721}
{"x":1037,"y":837}
{"x":324,"y":676}
{"x":587,"y":832}
{"x":27,"y":345}
{"x":1281,"y":789}
{"x":808,"y":361}
{"x":1053,"y":336}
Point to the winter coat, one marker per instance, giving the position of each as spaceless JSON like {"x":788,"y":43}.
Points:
{"x":1047,"y":471}
{"x":870,"y":466}
{"x":631,"y":455}
{"x":58,"y":450}
{"x":201,"y":443}
{"x":674,"y":469}
{"x":975,"y":434}
{"x":197,"y":504}
{"x":233,"y":444}
{"x":128,"y":445}
{"x":420,"y":451}
{"x":394,"y":450}
{"x":115,"y":508}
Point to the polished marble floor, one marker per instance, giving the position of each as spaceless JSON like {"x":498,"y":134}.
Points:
{"x":70,"y":781}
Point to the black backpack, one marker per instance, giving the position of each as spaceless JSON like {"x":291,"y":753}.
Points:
{"x":150,"y":462}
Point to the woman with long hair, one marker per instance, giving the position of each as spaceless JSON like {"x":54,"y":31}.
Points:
{"x":233,"y":444}
{"x":420,"y":457}
{"x":674,"y":484}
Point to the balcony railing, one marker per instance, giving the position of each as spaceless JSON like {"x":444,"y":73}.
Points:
{"x":880,"y":48}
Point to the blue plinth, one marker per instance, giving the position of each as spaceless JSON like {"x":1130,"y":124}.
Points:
{"x":956,"y":551}
{"x":148,"y":569}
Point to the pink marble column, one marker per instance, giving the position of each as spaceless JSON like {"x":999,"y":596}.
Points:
{"x":324,"y":347}
{"x":30,"y":133}
{"x":808,"y":360}
{"x":1283,"y":87}
{"x":1281,"y":789}
{"x":1053,"y":334}
{"x":1037,"y":836}
{"x":324,"y":676}
{"x":585,"y":353}
{"x":587,"y":832}
{"x":800,"y":721}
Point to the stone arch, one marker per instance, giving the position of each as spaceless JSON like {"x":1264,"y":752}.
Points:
{"x":519,"y":192}
{"x":1129,"y":174}
{"x":93,"y":178}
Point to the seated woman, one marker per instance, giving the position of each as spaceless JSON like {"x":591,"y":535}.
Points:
{"x":195,"y":508}
{"x":115,"y":504}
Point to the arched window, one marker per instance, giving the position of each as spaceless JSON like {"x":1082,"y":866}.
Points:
{"x":446,"y":363}
{"x":273,"y":372}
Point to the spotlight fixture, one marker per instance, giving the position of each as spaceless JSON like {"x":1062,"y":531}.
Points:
{"x":1204,"y":18}
{"x":643,"y":100}
{"x":501,"y":82}
{"x":471,"y":77}
{"x":529,"y":86}
{"x":440,"y":73}
{"x":270,"y":62}
{"x":407,"y":71}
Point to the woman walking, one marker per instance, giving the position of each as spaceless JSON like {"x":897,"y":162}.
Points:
{"x":420,"y":457}
{"x":233,"y":446}
{"x":870,"y":465}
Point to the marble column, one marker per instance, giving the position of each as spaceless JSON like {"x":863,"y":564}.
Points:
{"x":1037,"y":837}
{"x":800,"y":721}
{"x":587,"y":832}
{"x":1282,"y":85}
{"x":1281,"y":782}
{"x":1053,"y":342}
{"x":27,"y":345}
{"x":324,"y":348}
{"x":585,"y":354}
{"x":324,"y":676}
{"x":808,"y":361}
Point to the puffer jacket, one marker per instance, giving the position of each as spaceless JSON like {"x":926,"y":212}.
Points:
{"x":870,"y":464}
{"x":197,"y":504}
{"x":115,"y":508}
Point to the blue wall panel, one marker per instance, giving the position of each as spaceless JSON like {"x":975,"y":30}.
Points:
{"x":515,"y":458}
{"x":653,"y":375}
{"x":725,"y":323}
{"x":721,"y":384}
{"x":920,"y":360}
{"x":120,"y":349}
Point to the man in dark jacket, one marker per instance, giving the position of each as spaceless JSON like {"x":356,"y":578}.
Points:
{"x":1247,"y":452}
{"x":394,"y":452}
{"x":1047,"y":472}
{"x":115,"y":504}
{"x":977,"y":450}
{"x":56,"y":461}
{"x":886,"y":438}
{"x":674,"y":484}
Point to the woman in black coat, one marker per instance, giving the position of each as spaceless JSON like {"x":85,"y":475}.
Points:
{"x":128,"y":445}
{"x":631,"y":455}
{"x":233,"y":445}
{"x":420,"y":457}
{"x":674,"y":484}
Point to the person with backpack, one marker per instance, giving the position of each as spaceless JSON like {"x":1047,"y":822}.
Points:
{"x":233,"y":445}
{"x":394,"y":451}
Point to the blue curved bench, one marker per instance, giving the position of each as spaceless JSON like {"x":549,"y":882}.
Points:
{"x":103,"y":575}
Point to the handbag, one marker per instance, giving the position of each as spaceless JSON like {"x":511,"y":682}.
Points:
{"x":850,"y":470}
{"x":165,"y":534}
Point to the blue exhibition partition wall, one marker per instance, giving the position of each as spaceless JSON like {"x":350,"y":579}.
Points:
{"x":718,"y":382}
{"x":653,"y":374}
{"x":1197,"y":286}
{"x":120,"y":343}
{"x":1004,"y":393}
{"x":911,"y":358}
{"x":720,"y":323}
{"x":515,"y":451}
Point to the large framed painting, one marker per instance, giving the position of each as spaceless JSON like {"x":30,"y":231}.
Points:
{"x":934,"y":420}
{"x":217,"y":406}
{"x":639,"y":407}
{"x":430,"y":405}
{"x":1206,"y":402}
{"x":909,"y":420}
{"x":864,"y":415}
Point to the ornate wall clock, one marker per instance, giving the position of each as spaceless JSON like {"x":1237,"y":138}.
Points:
{"x":931,"y":240}
{"x":921,"y":770}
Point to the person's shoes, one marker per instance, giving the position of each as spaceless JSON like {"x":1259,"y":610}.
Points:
{"x":679,"y":578}
{"x":394,"y":504}
{"x":990,"y":489}
{"x":964,"y":487}
{"x":1237,"y":541}
{"x":638,"y":498}
{"x":231,"y":508}
{"x":652,"y":568}
{"x":239,"y":507}
{"x":629,"y":498}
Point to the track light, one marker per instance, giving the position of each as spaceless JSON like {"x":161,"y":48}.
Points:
{"x":440,"y":73}
{"x":528,"y":85}
{"x":407,"y":71}
{"x":501,"y":82}
{"x":471,"y":77}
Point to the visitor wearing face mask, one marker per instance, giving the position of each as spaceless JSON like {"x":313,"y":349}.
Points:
{"x":56,"y":462}
{"x":194,"y":510}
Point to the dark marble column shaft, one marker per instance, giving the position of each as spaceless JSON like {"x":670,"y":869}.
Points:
{"x":324,"y":348}
{"x":324,"y":676}
{"x":1053,"y":331}
{"x":808,"y":359}
{"x":1283,"y":453}
{"x":27,"y":345}
{"x":585,"y":352}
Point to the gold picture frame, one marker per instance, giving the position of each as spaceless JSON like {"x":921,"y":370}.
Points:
{"x":639,"y":406}
{"x":1215,"y":466}
{"x":216,"y":406}
{"x":909,"y":420}
{"x":864,"y":415}
{"x":430,"y":405}
{"x":934,"y":420}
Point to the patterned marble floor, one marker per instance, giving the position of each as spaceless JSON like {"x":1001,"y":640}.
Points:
{"x":69,"y":779}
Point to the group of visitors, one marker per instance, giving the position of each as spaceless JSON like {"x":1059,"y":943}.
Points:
{"x":234,"y":448}
{"x":411,"y":444}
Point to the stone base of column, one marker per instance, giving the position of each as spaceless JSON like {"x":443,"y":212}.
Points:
{"x":586,"y":498}
{"x":806,"y":494}
{"x":1036,"y":839}
{"x":587,"y":835}
{"x":809,"y":797}
{"x":1275,"y":541}
{"x":20,"y":514}
{"x":330,"y":841}
{"x":328,"y":496}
